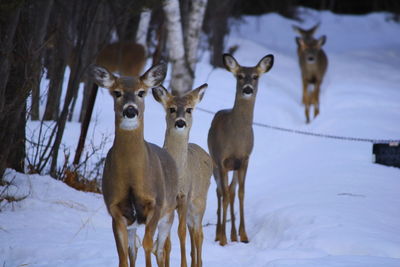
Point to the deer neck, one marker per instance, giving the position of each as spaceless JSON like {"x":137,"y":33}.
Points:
{"x":243,"y":109}
{"x":176,"y":143}
{"x":130,"y":144}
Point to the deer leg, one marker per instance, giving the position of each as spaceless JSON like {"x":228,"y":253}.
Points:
{"x":133,"y":246}
{"x":305,"y":90}
{"x":225,"y":203}
{"x":219,"y":196}
{"x":232,"y":189}
{"x":242,"y":178}
{"x":316,"y":98}
{"x":199,"y":237}
{"x":148,"y":237}
{"x":120,"y":234}
{"x":182,"y":212}
{"x":307,"y":107}
{"x":167,"y":250}
{"x":192,"y":246}
{"x":164,"y":228}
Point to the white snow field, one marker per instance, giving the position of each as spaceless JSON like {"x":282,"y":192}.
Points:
{"x":309,"y":201}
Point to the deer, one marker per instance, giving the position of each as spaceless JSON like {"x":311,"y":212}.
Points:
{"x":313,"y":65}
{"x":307,"y":36}
{"x":194,"y":166}
{"x":139,"y":178}
{"x":230,"y":143}
{"x":125,"y":58}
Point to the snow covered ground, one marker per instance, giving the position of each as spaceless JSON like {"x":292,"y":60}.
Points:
{"x":309,"y":201}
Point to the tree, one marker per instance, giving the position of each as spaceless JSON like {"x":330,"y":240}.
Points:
{"x":183,"y":52}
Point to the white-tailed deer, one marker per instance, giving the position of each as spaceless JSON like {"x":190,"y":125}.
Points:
{"x":139,"y":179}
{"x":313,"y":64}
{"x":124,"y":58}
{"x":307,"y":35}
{"x":194,"y":167}
{"x":230,"y":142}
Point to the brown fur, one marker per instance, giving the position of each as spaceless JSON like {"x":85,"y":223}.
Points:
{"x":139,"y":179}
{"x":126,"y":58}
{"x":230,"y":142}
{"x":312,"y":73}
{"x":194,"y":168}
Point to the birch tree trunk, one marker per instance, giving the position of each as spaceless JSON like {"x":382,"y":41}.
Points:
{"x":143,"y":28}
{"x":180,"y":76}
{"x":183,"y":52}
{"x":192,"y":34}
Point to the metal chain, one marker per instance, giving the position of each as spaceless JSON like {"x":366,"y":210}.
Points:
{"x":282,"y":129}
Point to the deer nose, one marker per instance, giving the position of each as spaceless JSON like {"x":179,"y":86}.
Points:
{"x":130,"y":112}
{"x":180,"y":124}
{"x":247,"y":90}
{"x":310,"y":59}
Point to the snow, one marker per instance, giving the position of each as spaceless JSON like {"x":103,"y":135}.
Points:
{"x":309,"y":201}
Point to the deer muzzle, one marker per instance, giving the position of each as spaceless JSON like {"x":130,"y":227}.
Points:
{"x":180,"y":124}
{"x":130,"y":112}
{"x":247,"y":90}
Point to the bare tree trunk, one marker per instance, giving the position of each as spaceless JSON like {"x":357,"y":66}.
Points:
{"x":192,"y":35}
{"x":7,"y":33}
{"x":45,"y":6}
{"x":58,"y":54}
{"x":86,"y":24}
{"x":97,"y":39}
{"x":180,"y":76}
{"x":160,"y":53}
{"x":216,"y":25}
{"x":16,"y":91}
{"x":143,"y":28}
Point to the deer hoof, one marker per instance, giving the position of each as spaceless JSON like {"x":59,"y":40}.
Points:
{"x":234,"y":238}
{"x":244,"y":239}
{"x":222,"y":241}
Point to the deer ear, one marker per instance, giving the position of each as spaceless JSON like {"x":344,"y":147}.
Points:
{"x":230,"y":63}
{"x":155,"y":75}
{"x":161,"y":94}
{"x":198,"y":93}
{"x":322,"y":40}
{"x":300,"y":42}
{"x":313,"y":29}
{"x":102,"y":77}
{"x":265,"y":64}
{"x":296,"y":29}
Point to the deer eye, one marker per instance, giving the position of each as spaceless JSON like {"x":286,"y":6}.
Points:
{"x":189,"y":110}
{"x":117,"y":93}
{"x":240,"y":76}
{"x":255,"y":77}
{"x":172,"y":110}
{"x":141,"y":93}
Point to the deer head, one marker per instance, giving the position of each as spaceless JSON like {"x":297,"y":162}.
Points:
{"x":306,"y":34}
{"x":128,"y":93}
{"x":179,"y":108}
{"x":310,"y":49}
{"x":247,"y":77}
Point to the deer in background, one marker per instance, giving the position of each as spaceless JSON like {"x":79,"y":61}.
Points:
{"x":139,"y":178}
{"x":307,"y":35}
{"x":194,"y":167}
{"x":230,"y":142}
{"x":313,"y":64}
{"x":125,"y":58}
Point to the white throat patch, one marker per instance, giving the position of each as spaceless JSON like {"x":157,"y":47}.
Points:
{"x":129,"y":124}
{"x":247,"y":96}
